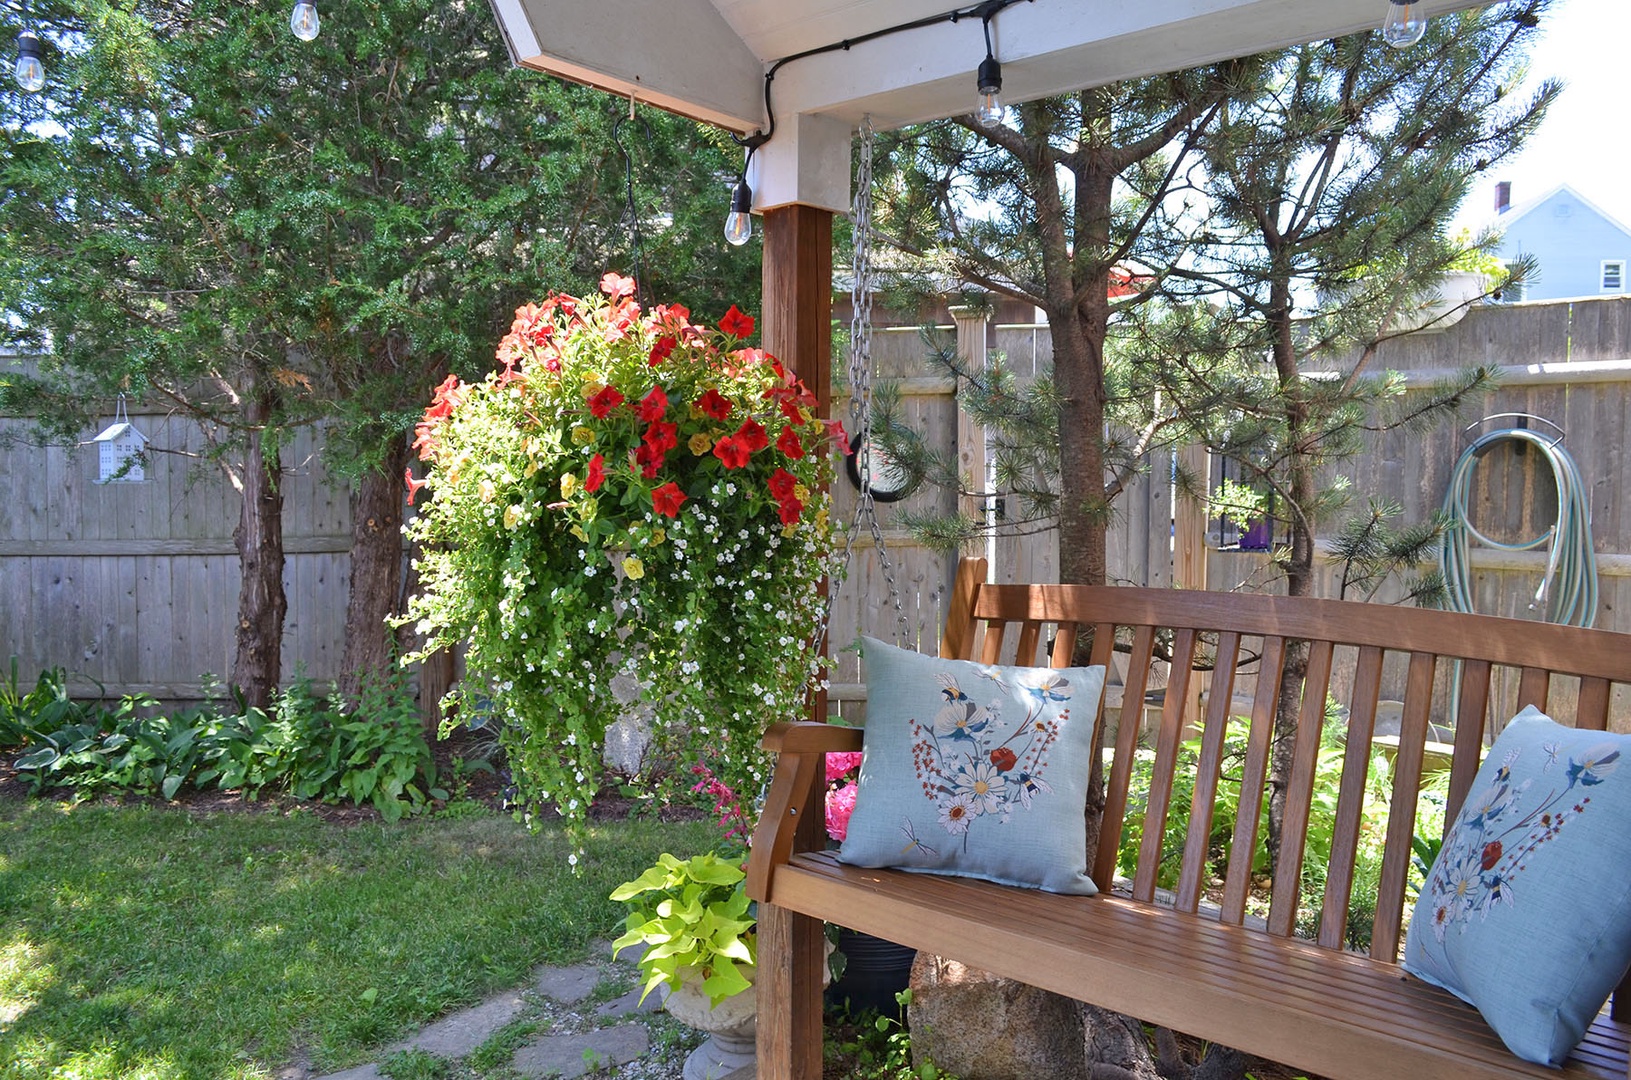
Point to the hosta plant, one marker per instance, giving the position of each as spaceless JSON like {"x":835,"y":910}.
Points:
{"x":630,"y":494}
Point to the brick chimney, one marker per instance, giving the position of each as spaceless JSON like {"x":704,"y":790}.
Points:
{"x":1503,"y":196}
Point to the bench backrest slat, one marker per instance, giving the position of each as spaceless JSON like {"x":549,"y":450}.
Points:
{"x":1350,"y":815}
{"x":1287,"y":888}
{"x":1132,"y":714}
{"x":1401,"y":822}
{"x":1469,"y":734}
{"x":1253,"y":777}
{"x":1231,"y":648}
{"x":1192,"y":873}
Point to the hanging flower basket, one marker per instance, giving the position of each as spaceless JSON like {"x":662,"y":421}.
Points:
{"x":631,"y":494}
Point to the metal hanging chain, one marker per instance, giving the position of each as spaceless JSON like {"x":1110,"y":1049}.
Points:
{"x":628,"y":188}
{"x":860,"y":382}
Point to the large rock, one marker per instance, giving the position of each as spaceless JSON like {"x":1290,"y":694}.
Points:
{"x":978,"y":1026}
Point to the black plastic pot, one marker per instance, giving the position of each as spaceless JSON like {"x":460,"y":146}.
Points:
{"x":876,"y":971}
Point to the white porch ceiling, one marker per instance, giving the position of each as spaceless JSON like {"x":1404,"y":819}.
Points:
{"x":707,"y":58}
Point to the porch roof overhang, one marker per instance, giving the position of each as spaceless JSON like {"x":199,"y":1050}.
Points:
{"x":707,"y":59}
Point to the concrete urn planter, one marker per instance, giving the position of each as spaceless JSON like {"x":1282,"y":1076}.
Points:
{"x":730,"y":1026}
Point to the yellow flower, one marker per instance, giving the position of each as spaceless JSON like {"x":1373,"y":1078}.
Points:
{"x":577,"y":531}
{"x":569,"y":485}
{"x":658,"y":536}
{"x":583,"y":436}
{"x":700,"y":444}
{"x":634,"y":568}
{"x":488,"y":491}
{"x":801,"y":492}
{"x":532,"y":467}
{"x":512,"y":516}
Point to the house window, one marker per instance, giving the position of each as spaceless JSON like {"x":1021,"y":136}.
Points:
{"x":1613,"y":275}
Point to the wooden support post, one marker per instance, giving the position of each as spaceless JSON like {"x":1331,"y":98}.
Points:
{"x":796,"y":328}
{"x":788,"y":989}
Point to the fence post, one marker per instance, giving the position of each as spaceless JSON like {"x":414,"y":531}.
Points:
{"x":971,"y":456}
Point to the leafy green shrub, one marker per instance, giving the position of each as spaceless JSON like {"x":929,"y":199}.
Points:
{"x":372,"y":753}
{"x":1321,"y":822}
{"x":43,"y":709}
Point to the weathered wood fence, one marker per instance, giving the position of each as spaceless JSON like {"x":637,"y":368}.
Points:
{"x":134,"y":586}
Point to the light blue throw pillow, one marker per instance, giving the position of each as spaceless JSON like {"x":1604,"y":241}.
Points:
{"x":975,"y":770}
{"x":1526,"y":914}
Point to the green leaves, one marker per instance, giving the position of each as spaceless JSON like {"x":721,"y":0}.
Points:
{"x":693,"y":914}
{"x":375,"y":755}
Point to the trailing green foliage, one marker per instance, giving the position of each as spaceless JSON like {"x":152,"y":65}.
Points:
{"x":372,"y":752}
{"x":693,"y":916}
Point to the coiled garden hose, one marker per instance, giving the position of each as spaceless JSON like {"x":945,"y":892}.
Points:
{"x":1568,"y":589}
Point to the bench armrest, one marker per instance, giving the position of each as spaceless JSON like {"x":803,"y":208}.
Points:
{"x":800,"y":748}
{"x":807,"y":737}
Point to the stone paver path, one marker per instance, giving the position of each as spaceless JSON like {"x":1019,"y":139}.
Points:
{"x":563,"y":1055}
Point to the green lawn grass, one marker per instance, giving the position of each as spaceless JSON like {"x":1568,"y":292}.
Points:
{"x":156,"y":944}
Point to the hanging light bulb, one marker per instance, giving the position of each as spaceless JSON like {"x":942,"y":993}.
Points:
{"x":739,"y":222}
{"x":30,"y":72}
{"x":1405,"y":24}
{"x":988,"y":82}
{"x":304,"y":22}
{"x":990,"y":85}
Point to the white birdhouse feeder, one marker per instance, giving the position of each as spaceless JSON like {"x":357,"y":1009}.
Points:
{"x":119,"y":451}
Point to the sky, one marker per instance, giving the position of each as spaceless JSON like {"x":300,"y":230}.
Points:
{"x":1586,"y":139}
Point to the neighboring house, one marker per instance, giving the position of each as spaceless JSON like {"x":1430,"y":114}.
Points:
{"x":1581,"y":250}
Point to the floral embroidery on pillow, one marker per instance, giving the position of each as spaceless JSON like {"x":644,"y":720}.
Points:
{"x":975,"y":764}
{"x":1499,"y":829}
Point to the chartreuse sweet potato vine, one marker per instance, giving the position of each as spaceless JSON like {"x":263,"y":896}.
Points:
{"x":692,"y":916}
{"x":632,"y":494}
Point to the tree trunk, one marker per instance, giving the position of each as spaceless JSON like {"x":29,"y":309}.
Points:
{"x":376,"y":571}
{"x":262,"y":605}
{"x":1299,"y":568}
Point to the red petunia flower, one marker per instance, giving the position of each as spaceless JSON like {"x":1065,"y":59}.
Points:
{"x":603,"y":401}
{"x":662,"y":436}
{"x":791,"y":411}
{"x":413,"y":485}
{"x":650,"y":459}
{"x":670,"y":318}
{"x":736,"y":324}
{"x":653,"y":405}
{"x":731,"y":451}
{"x":668,"y":499}
{"x":788,"y":443}
{"x":781,"y":485}
{"x":596,"y":476}
{"x":1003,"y":758}
{"x":836,"y":432}
{"x":714,"y":404}
{"x":752,"y":435}
{"x":790,"y":509}
{"x":661,"y":351}
{"x":615,"y":285}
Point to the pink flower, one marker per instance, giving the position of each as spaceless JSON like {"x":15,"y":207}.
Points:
{"x":840,"y":805}
{"x":839,"y":765}
{"x":615,"y":285}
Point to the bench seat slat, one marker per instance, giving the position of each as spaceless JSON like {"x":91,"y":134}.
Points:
{"x":1203,"y":804}
{"x":1351,"y":798}
{"x":1288,"y":871}
{"x":1336,"y":1014}
{"x":1469,"y":735}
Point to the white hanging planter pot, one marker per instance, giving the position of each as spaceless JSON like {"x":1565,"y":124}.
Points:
{"x":1457,"y":292}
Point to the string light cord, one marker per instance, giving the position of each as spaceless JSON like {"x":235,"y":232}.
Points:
{"x":985,"y":12}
